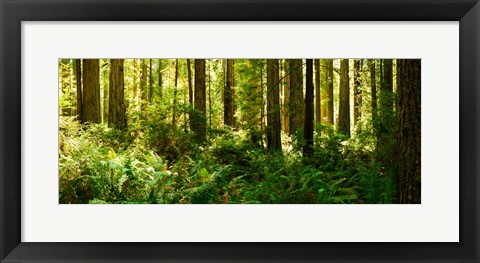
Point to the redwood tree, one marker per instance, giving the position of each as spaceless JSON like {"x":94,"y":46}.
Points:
{"x":200,"y":120}
{"x":308,"y":130}
{"x":160,"y":80}
{"x":330,"y":91}
{"x":116,"y":100}
{"x":150,"y":93}
{"x":78,"y":77}
{"x":273,"y":106}
{"x":344,"y":99}
{"x":190,"y":88}
{"x":91,"y":91}
{"x":357,"y":102}
{"x":143,"y":82}
{"x":297,"y":103}
{"x":318,"y":106}
{"x":373,"y":86}
{"x":409,"y":133}
{"x":286,"y":98}
{"x":228,"y":108}
{"x":174,"y":111}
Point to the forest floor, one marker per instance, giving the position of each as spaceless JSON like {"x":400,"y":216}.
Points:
{"x":152,"y":163}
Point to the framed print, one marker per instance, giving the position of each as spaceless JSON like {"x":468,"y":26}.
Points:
{"x":109,"y":150}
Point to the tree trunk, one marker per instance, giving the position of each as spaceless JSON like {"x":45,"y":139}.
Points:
{"x":190,"y":86}
{"x":286,"y":97}
{"x":200,"y":109}
{"x":116,"y":105}
{"x":190,"y":90}
{"x":297,"y":103}
{"x":143,"y":83}
{"x":151,"y":82}
{"x":273,"y":106}
{"x":318,"y":106}
{"x":357,"y":102}
{"x":174,"y":115}
{"x":160,"y":92}
{"x":185,"y":121}
{"x":209,"y":96}
{"x":308,"y":130}
{"x":409,"y":135}
{"x":72,"y":99}
{"x":135,"y":85}
{"x":228,"y":109}
{"x":323,"y":91}
{"x":78,"y":77}
{"x":281,"y":87}
{"x":373,"y":86}
{"x":344,"y":107}
{"x":91,"y":90}
{"x":262,"y":108}
{"x":234,"y":104}
{"x":330,"y":91}
{"x":105,"y":74}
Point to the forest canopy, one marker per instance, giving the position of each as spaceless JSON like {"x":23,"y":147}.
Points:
{"x":239,"y":131}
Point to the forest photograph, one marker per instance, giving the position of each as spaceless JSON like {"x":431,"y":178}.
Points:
{"x":239,"y":131}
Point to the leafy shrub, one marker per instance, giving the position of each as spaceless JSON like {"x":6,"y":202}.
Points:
{"x":152,"y":163}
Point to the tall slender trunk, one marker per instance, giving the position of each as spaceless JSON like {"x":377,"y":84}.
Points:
{"x":330,"y":91}
{"x":78,"y":77}
{"x":308,"y":126}
{"x":72,"y":100}
{"x":151,"y":82}
{"x":273,"y":106}
{"x":318,"y":106}
{"x":185,"y":121}
{"x":323,"y":91}
{"x":143,"y":83}
{"x":286,"y":98}
{"x":116,"y":105}
{"x":135,"y":85}
{"x":105,"y":74}
{"x":190,"y":88}
{"x":344,"y":107}
{"x":373,"y":86}
{"x":160,"y":91}
{"x":228,"y":108}
{"x":262,"y":109}
{"x":91,"y":90}
{"x":174,"y":116}
{"x":209,"y":97}
{"x":297,"y":103}
{"x":357,"y":102}
{"x":199,"y":100}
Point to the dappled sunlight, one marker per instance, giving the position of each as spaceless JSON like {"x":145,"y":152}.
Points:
{"x":239,"y":131}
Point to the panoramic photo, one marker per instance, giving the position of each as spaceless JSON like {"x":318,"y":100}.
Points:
{"x":239,"y":131}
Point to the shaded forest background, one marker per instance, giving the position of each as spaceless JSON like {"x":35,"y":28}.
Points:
{"x":239,"y":131}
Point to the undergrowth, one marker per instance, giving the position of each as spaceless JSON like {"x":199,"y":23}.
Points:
{"x":150,"y":162}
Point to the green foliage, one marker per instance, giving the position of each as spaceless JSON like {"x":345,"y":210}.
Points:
{"x":153,"y":161}
{"x":158,"y":164}
{"x":250,"y":84}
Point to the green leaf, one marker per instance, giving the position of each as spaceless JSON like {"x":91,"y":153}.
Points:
{"x":204,"y":175}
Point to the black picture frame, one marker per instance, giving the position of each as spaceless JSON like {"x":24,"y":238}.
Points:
{"x":13,"y":12}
